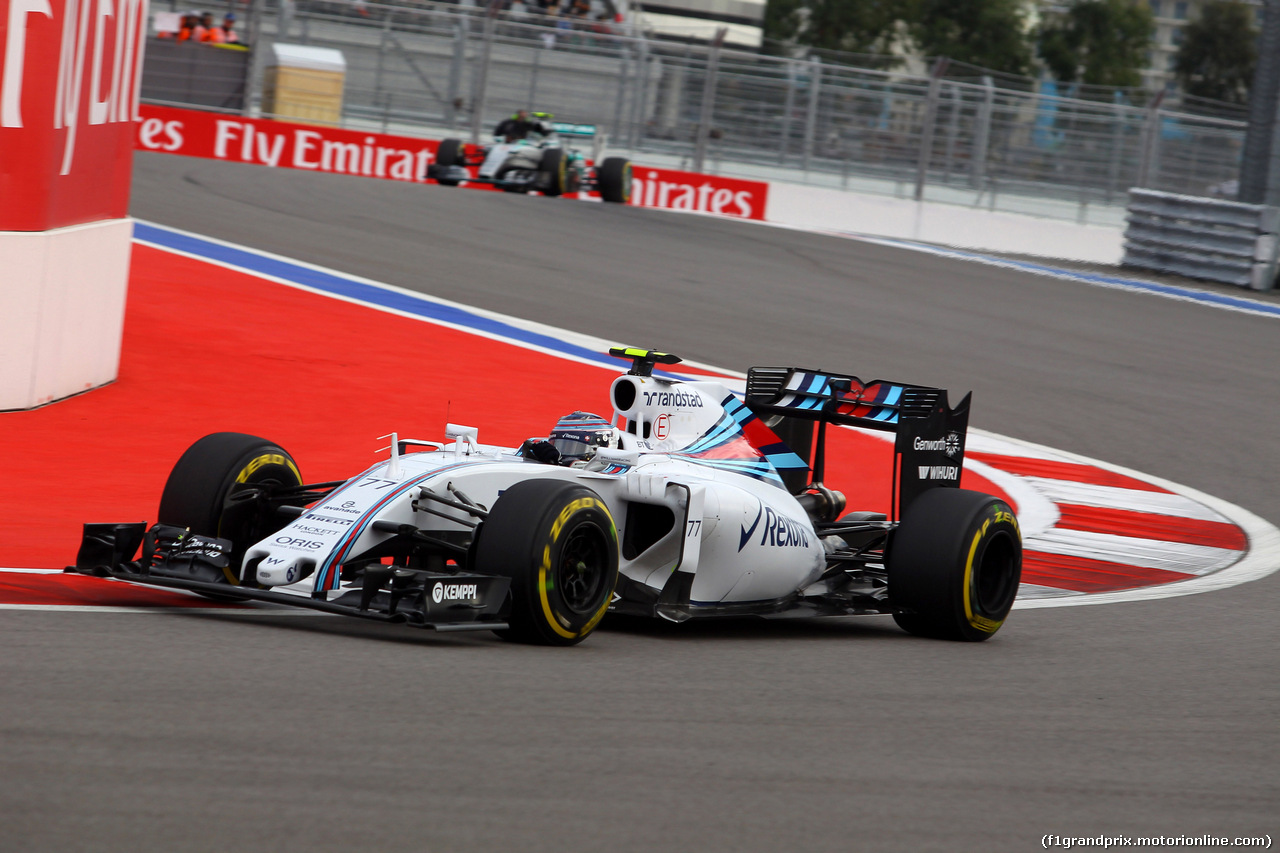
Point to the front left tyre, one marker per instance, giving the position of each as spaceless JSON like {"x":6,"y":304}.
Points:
{"x":451,"y":152}
{"x":210,"y":491}
{"x":554,"y":169}
{"x":558,"y":543}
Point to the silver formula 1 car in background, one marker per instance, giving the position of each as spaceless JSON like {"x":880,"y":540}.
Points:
{"x":685,"y":502}
{"x":542,"y":161}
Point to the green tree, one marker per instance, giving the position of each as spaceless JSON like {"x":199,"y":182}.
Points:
{"x":1100,"y":42}
{"x":989,"y":33}
{"x":858,"y":26}
{"x":1219,"y":53}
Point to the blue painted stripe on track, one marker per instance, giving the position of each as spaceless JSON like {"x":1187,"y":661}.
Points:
{"x":1217,"y":300}
{"x":419,"y":305}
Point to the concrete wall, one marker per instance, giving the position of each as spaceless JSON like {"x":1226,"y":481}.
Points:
{"x":61,"y":310}
{"x":820,"y":209}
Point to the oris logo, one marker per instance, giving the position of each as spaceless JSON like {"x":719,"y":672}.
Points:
{"x":304,"y":544}
{"x":453,"y":592}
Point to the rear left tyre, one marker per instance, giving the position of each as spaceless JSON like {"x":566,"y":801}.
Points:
{"x":954,"y":565}
{"x":558,"y":543}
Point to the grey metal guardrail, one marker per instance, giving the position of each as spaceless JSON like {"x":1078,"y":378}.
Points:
{"x":1203,"y":238}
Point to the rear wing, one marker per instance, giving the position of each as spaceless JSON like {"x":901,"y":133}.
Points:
{"x":568,"y":128}
{"x":929,"y":434}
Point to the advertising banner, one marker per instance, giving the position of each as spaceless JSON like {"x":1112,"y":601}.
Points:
{"x":69,"y":72}
{"x":278,"y":143}
{"x":401,"y":158}
{"x":676,"y":190}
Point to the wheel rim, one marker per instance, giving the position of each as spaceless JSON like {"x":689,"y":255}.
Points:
{"x":581,"y":572}
{"x":995,"y":579}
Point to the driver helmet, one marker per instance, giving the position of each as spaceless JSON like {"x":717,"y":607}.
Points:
{"x":578,"y":435}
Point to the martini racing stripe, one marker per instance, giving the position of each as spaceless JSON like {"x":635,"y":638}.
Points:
{"x":328,"y":577}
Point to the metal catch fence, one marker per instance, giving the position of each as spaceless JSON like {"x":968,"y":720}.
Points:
{"x":449,"y":69}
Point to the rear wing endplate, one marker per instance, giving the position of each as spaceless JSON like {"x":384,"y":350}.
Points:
{"x":929,"y":434}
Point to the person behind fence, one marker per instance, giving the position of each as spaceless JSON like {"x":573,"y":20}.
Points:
{"x":519,"y":125}
{"x":227,"y":32}
{"x":191,"y":28}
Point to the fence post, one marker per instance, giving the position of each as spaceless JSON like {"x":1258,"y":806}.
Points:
{"x":930,"y":119}
{"x":623,"y":67}
{"x":811,"y":117}
{"x":953,"y":128}
{"x":1150,"y":143}
{"x":284,"y":20}
{"x":382,"y":54}
{"x":982,"y":143}
{"x":532,"y":102}
{"x":789,"y":106}
{"x":640,"y":97}
{"x":482,"y":73}
{"x":1117,"y":144}
{"x":257,"y":45}
{"x":455,"y":73}
{"x":708,"y":99}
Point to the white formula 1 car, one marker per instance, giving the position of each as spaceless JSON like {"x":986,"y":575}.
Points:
{"x":686,"y":503}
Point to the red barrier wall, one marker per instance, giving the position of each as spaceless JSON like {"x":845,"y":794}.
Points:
{"x":403,"y":158}
{"x":676,"y":190}
{"x":278,"y":143}
{"x":68,"y":92}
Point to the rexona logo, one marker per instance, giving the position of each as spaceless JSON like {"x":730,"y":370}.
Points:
{"x":676,"y":190}
{"x":949,"y":445}
{"x":778,"y":531}
{"x":453,"y":592}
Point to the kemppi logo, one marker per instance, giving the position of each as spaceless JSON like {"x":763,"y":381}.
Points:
{"x":704,"y":193}
{"x":114,"y":63}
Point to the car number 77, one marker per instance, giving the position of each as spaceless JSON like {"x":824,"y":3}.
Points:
{"x":695,"y":527}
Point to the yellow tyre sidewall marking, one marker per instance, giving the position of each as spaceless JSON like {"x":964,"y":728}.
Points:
{"x":243,"y":477}
{"x":977,"y":620}
{"x":553,"y":619}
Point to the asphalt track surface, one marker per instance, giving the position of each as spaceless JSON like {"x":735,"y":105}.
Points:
{"x":160,"y":731}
